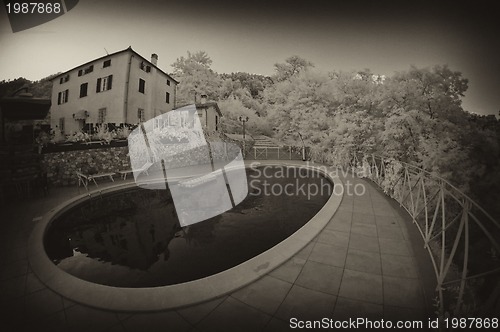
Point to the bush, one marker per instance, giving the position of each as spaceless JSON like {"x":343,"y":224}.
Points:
{"x":78,"y":137}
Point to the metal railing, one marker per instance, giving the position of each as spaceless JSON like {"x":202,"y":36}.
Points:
{"x":276,"y":153}
{"x":461,"y":237}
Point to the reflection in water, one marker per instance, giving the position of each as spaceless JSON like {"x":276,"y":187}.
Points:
{"x":133,"y":238}
{"x":131,"y":229}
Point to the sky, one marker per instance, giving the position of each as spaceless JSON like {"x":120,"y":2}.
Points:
{"x":251,"y":36}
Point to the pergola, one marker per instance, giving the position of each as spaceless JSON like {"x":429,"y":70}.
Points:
{"x":22,"y":107}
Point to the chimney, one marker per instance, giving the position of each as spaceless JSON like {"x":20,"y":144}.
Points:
{"x":203,"y":98}
{"x":154,"y":59}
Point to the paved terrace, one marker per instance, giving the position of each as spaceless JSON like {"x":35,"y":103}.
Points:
{"x":367,"y":262}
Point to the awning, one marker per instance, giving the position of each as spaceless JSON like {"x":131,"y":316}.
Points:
{"x":81,"y":115}
{"x":18,"y":108}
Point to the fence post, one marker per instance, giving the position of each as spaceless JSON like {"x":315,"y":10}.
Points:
{"x":278,"y":153}
{"x":290,"y":148}
{"x":255,"y":152}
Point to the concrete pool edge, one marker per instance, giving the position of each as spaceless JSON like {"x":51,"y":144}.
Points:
{"x":179,"y":295}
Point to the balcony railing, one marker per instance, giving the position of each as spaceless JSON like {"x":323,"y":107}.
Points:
{"x":461,"y":237}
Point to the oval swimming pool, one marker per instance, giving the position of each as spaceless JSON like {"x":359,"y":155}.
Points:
{"x":132,"y":238}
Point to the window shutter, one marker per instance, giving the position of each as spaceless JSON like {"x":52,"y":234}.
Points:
{"x":98,"y":86}
{"x":67,"y":96}
{"x":59,"y":98}
{"x":110,"y":81}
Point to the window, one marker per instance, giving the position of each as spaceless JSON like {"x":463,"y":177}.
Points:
{"x":144,"y":67}
{"x":173,"y":119}
{"x":167,"y":97}
{"x":61,"y":125}
{"x":86,"y":70}
{"x":168,"y":82}
{"x":83,"y":89}
{"x":140,"y":115}
{"x":142,"y":85}
{"x":106,"y":63}
{"x":104,"y":83}
{"x":158,"y":123}
{"x":62,"y":97}
{"x":184,"y":120}
{"x":101,"y":115}
{"x":64,"y":79}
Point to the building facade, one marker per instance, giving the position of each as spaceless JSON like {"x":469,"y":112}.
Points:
{"x":209,"y":114}
{"x":116,"y":89}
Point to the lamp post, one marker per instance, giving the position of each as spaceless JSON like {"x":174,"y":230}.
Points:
{"x":303,"y":148}
{"x":243,"y":119}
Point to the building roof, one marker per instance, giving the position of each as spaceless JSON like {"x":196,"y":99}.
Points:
{"x":209,"y":104}
{"x":128,"y":49}
{"x":204,"y":105}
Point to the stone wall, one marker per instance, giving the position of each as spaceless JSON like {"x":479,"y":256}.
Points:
{"x":61,"y":167}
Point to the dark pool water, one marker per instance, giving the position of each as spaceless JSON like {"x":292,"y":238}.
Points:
{"x":132,"y":238}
